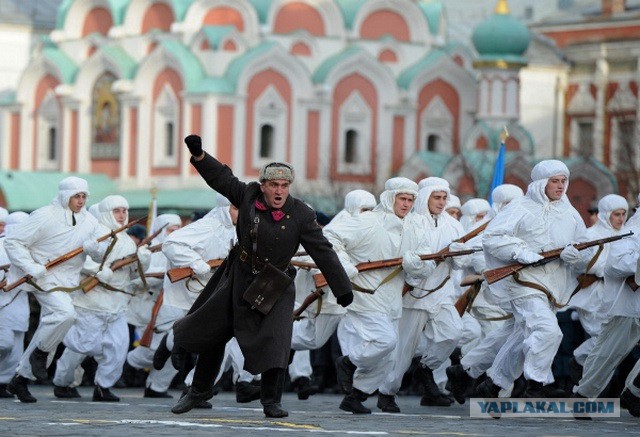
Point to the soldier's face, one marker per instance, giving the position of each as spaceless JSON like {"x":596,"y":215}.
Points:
{"x":454,"y":212}
{"x":275,"y":192}
{"x":120,"y":215}
{"x":403,"y":204}
{"x":77,"y":201}
{"x":555,"y":188}
{"x":617,"y":218}
{"x":437,"y":202}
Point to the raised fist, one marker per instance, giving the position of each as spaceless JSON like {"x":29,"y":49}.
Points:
{"x":194,"y":143}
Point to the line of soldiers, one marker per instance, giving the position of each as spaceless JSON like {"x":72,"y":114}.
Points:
{"x":395,"y":314}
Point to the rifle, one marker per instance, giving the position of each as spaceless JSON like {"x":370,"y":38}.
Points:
{"x":320,"y":280}
{"x":72,"y":254}
{"x":149,"y":238}
{"x":303,"y":265}
{"x":465,"y":301}
{"x":495,"y":275}
{"x":179,"y":273}
{"x":147,"y":335}
{"x":158,"y":275}
{"x":311,"y":298}
{"x":91,"y":281}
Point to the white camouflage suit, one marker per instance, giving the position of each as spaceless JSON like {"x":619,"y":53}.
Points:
{"x":621,"y":332}
{"x":46,"y":234}
{"x":141,"y":306}
{"x":526,"y":227}
{"x":100,"y":329}
{"x":592,"y":303}
{"x":369,"y":333}
{"x":430,"y":325}
{"x":494,"y":333}
{"x":14,"y":309}
{"x":322,"y":317}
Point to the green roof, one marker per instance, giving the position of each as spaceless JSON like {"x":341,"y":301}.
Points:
{"x":121,"y":58}
{"x":59,"y":59}
{"x":191,"y":68}
{"x":436,"y":161}
{"x":216,"y":34}
{"x":180,"y":8}
{"x":501,"y":35}
{"x":323,"y":70}
{"x":262,"y":9}
{"x":27,"y":191}
{"x":117,"y":9}
{"x":237,"y":66}
{"x":183,"y":199}
{"x":349,"y":10}
{"x":432,"y":11}
{"x":8,"y":98}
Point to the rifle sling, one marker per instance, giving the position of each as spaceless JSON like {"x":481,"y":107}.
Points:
{"x":528,"y":284}
{"x":12,"y":299}
{"x":388,"y":278}
{"x":433,"y":290}
{"x":593,"y":260}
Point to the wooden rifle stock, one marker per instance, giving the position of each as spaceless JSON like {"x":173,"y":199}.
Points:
{"x":303,"y":265}
{"x":495,"y":275}
{"x":149,"y":238}
{"x":157,"y":275}
{"x":75,"y":252}
{"x":465,"y":301}
{"x":91,"y":281}
{"x":394,"y":262}
{"x":311,"y":298}
{"x":147,"y":335}
{"x":180,"y":273}
{"x":631,"y":282}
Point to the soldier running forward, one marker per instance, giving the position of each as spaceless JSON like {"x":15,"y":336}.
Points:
{"x":48,"y":233}
{"x":271,"y":226}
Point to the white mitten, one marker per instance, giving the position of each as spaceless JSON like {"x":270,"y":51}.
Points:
{"x":92,"y":248}
{"x":570,"y":255}
{"x":457,"y":247}
{"x":36,"y":271}
{"x":525,"y":256}
{"x":411,"y":261}
{"x":200,"y":267}
{"x":144,"y":255}
{"x":104,"y":275}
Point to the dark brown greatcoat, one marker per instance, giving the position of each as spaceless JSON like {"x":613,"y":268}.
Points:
{"x":220,"y":312}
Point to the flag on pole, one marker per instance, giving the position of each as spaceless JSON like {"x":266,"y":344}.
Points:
{"x":153,"y":210}
{"x":498,"y":169}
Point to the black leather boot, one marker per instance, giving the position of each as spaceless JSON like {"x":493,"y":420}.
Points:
{"x":353,"y":402}
{"x":271,"y":388}
{"x":344,"y":373}
{"x":631,"y":402}
{"x":487,"y":389}
{"x":65,"y":392}
{"x":192,"y":399}
{"x":304,"y":388}
{"x":101,"y":394}
{"x":460,"y":381}
{"x":432,"y":396}
{"x":38,"y":361}
{"x":247,"y":392}
{"x":162,"y":354}
{"x":19,"y":387}
{"x":3,"y":392}
{"x":387,"y":403}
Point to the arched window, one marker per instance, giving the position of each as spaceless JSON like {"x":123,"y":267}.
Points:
{"x":165,"y":121}
{"x":266,"y":141}
{"x":351,"y":147}
{"x":433,"y":142}
{"x":49,"y":122}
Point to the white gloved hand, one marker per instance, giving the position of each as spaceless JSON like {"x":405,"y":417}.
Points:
{"x":525,"y":256}
{"x":570,"y":255}
{"x":351,"y":270}
{"x":92,"y":248}
{"x":144,"y":255}
{"x":134,"y":285}
{"x":200,"y":267}
{"x":457,"y":247}
{"x":411,"y":261}
{"x":104,"y":275}
{"x":36,"y":271}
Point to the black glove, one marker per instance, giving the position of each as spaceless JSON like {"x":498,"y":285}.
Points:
{"x":345,"y":299}
{"x":194,"y":143}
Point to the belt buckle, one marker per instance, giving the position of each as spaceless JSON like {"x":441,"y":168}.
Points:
{"x":243,"y":255}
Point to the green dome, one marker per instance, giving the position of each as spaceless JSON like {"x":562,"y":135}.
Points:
{"x":501,"y":36}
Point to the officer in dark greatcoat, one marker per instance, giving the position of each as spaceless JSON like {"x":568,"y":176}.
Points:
{"x":280,"y":223}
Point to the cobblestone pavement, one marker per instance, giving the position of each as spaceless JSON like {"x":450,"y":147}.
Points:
{"x":138,"y":416}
